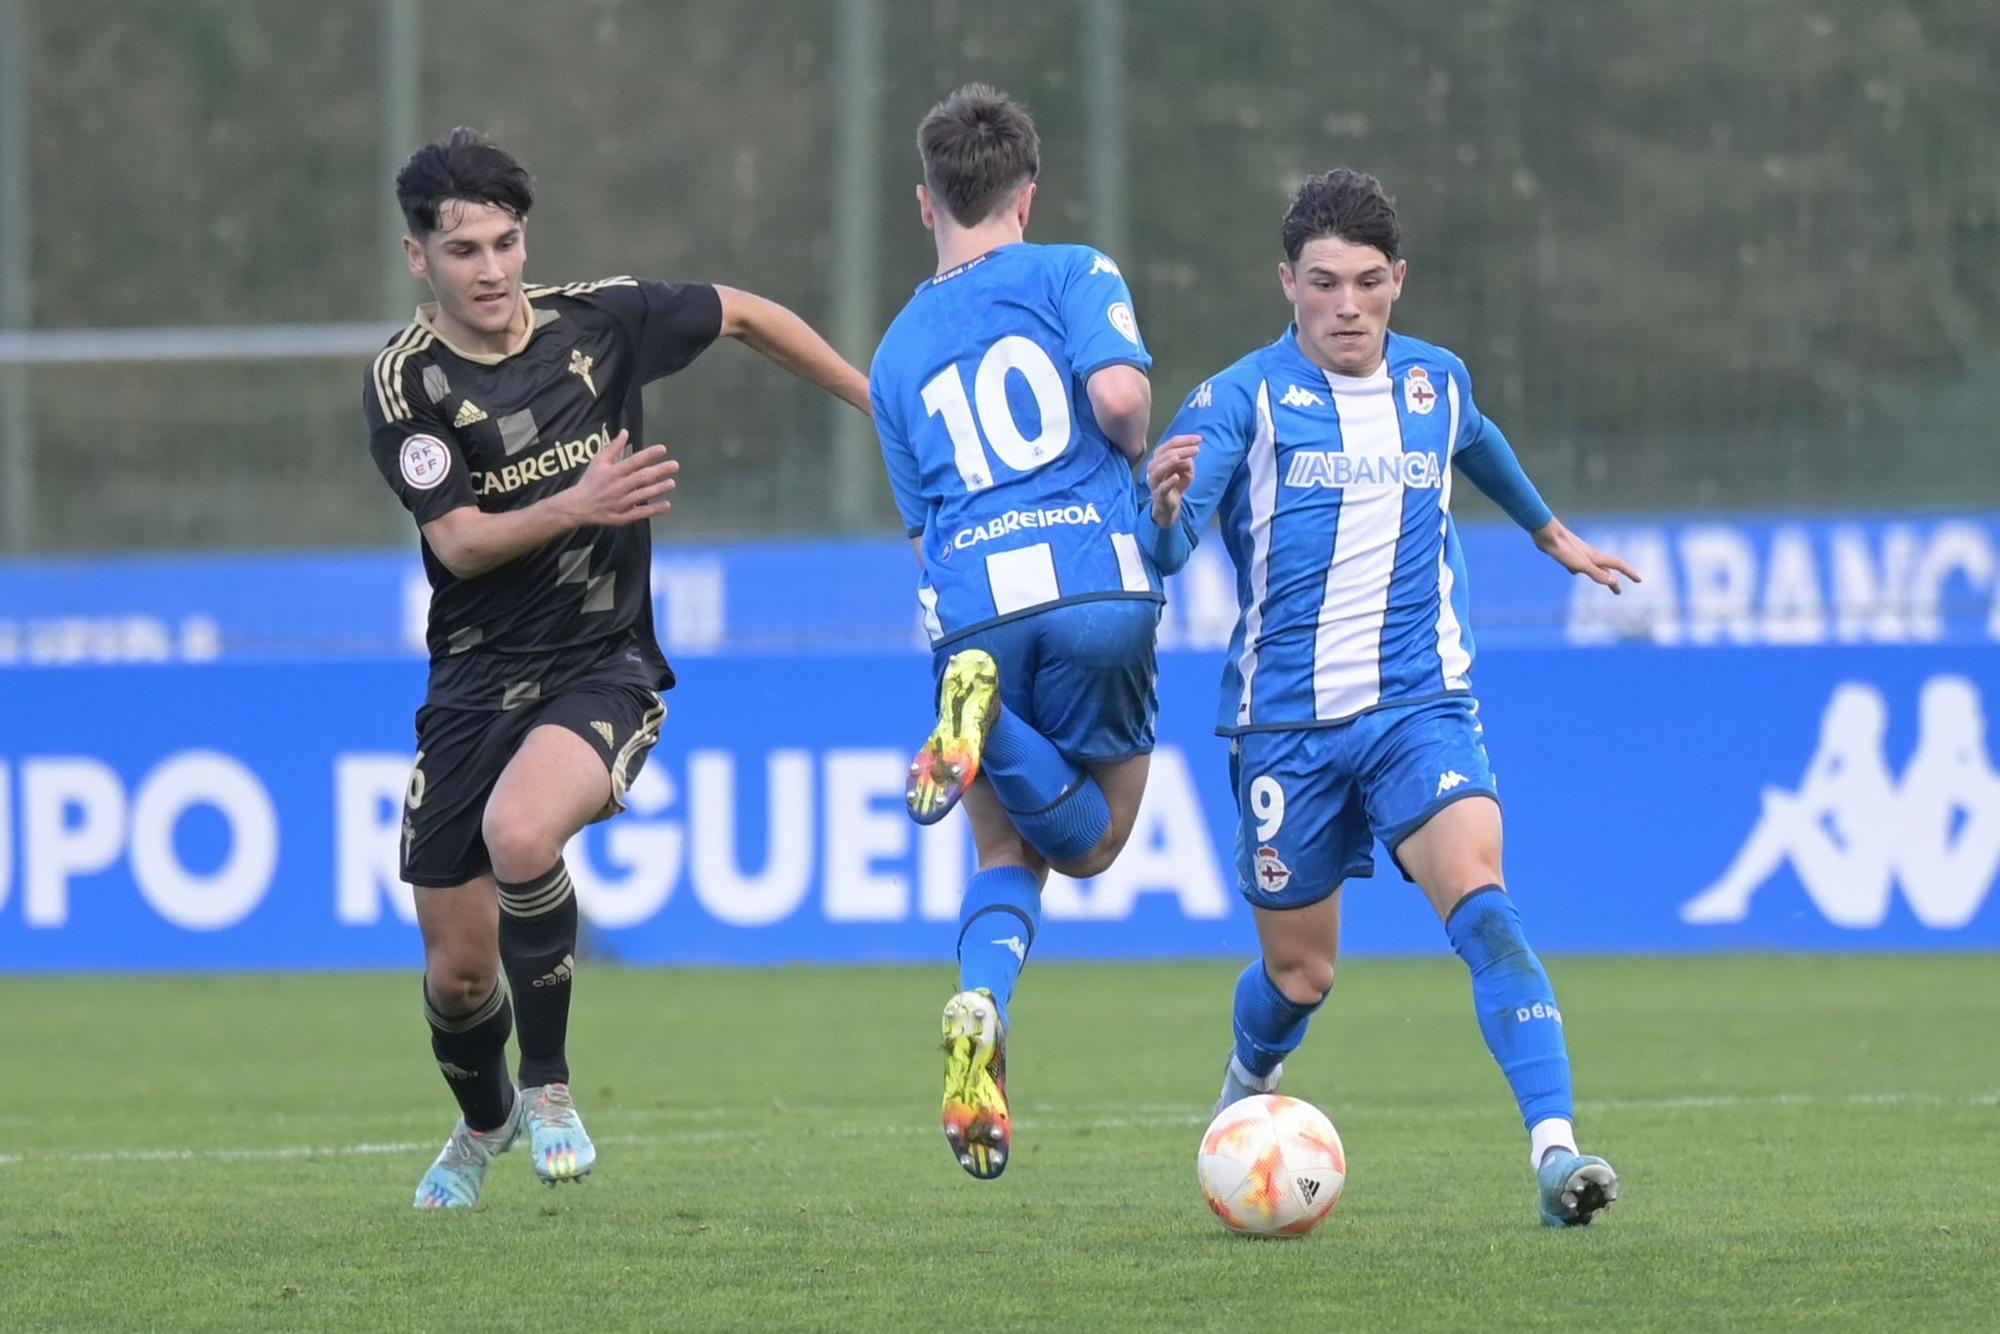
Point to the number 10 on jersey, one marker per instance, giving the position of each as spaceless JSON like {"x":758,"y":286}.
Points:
{"x":945,"y":397}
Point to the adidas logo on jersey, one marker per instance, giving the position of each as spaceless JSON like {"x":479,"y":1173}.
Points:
{"x":1448,"y":780}
{"x":560,"y":974}
{"x":604,"y":730}
{"x":1296,"y":397}
{"x":468,"y":413}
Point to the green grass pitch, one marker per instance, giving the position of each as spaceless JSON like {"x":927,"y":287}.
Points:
{"x":1805,"y":1143}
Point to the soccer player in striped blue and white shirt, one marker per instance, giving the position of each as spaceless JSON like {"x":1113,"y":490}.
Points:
{"x":1012,"y":401}
{"x":1327,"y":458}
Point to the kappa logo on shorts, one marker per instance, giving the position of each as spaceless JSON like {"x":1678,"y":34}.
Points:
{"x":1272,"y":873}
{"x":1450,"y":779}
{"x":604,"y":730}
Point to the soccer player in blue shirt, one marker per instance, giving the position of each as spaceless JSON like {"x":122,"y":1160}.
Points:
{"x":1327,"y":458}
{"x":1012,"y":402}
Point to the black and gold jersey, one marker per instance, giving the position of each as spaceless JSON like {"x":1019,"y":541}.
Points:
{"x":450,"y":428}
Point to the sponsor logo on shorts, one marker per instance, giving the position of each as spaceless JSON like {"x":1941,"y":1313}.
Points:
{"x":603,"y":729}
{"x":1448,"y":780}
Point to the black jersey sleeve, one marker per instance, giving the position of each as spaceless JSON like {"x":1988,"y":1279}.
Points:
{"x":672,"y":323}
{"x":416,"y":450}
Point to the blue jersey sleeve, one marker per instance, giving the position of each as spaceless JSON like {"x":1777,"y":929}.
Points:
{"x":1224,"y":413}
{"x":1100,"y":328}
{"x":1484,"y":456}
{"x":905,"y":478}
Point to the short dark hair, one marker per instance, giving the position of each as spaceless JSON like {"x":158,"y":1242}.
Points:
{"x":1346,"y":203}
{"x":978,"y":147}
{"x":465,"y":165}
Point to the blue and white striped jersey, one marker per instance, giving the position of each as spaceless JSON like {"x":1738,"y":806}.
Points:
{"x":1333,"y":494}
{"x":992,"y":445}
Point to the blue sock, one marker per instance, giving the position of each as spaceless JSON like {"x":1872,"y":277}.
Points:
{"x":1516,"y":1005}
{"x":996,"y":929}
{"x":1057,"y":806}
{"x":1269,"y":1024}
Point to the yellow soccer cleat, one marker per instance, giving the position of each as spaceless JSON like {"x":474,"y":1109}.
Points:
{"x":968,"y":702}
{"x":975,"y":1084}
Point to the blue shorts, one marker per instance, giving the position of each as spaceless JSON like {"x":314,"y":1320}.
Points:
{"x":1311,"y":802}
{"x":1081,"y":674}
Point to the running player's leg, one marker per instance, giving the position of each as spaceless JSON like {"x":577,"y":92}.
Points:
{"x":550,"y":789}
{"x":1278,"y":993}
{"x":1447,"y":837}
{"x":571,"y":768}
{"x":1302,"y":832}
{"x":470,"y":1019}
{"x":983,"y":732}
{"x":1091,"y":695}
{"x":465,"y":1004}
{"x":998,"y":918}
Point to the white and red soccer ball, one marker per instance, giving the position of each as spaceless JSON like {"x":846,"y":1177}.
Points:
{"x":1271,"y":1166}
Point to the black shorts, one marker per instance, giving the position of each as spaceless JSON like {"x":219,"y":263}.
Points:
{"x":460,"y":753}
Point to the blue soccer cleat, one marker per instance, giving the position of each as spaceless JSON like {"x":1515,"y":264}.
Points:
{"x":562,"y":1149}
{"x":1238,"y":1084}
{"x":1576,"y":1187}
{"x":455,"y":1179}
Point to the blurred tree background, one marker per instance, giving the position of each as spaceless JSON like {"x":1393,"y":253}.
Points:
{"x":1705,"y":254}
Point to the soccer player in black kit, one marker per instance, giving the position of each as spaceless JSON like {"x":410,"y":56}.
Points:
{"x":501,"y":418}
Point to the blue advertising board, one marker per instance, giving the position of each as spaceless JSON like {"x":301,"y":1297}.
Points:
{"x":1785,"y":748}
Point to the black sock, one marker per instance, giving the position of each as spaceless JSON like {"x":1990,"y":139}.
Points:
{"x":538,"y":950}
{"x":471,"y":1050}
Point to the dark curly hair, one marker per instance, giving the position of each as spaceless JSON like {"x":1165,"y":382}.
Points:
{"x":1349,"y":204}
{"x":463,"y":165}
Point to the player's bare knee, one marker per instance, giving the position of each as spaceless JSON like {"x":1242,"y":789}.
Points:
{"x":1095,"y":862}
{"x":520,"y":848}
{"x":1303,"y":980}
{"x":460,"y":981}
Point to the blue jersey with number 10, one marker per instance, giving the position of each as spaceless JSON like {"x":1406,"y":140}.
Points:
{"x":994,"y":451}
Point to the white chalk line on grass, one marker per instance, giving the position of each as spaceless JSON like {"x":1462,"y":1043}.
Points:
{"x":1145,"y":1116}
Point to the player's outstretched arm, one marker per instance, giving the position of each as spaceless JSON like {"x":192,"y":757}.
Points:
{"x":1121,"y":397}
{"x":1579,"y":557}
{"x":777,"y":333}
{"x":612,"y":490}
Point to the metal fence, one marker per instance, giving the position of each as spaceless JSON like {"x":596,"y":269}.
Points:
{"x":1707,"y":254}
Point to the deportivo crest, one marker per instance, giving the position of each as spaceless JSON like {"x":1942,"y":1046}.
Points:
{"x":1272,"y":873}
{"x":1418,"y":396}
{"x":425,"y":461}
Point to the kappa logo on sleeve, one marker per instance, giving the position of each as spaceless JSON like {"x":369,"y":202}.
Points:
{"x":1103,"y":264}
{"x":425,"y":461}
